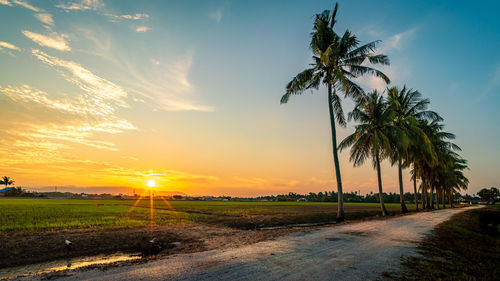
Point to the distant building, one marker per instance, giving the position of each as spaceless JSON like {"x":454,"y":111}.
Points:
{"x":302,"y":199}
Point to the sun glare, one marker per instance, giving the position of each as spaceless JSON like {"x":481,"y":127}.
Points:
{"x":151,"y":183}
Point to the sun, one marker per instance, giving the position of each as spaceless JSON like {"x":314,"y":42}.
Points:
{"x":151,"y":183}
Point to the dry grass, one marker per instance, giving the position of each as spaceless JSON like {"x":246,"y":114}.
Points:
{"x":466,"y":247}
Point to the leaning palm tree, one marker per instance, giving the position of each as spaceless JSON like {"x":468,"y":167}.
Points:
{"x":7,"y":181}
{"x":408,"y":107}
{"x":372,"y":136}
{"x":336,"y":62}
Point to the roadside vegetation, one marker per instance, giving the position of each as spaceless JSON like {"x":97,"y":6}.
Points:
{"x":466,"y":247}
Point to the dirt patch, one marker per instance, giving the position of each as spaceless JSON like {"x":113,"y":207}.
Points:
{"x":18,"y":250}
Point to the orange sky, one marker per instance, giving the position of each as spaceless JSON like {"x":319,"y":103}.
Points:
{"x":105,"y":97}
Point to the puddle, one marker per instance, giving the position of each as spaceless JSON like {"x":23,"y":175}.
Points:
{"x":333,"y":239}
{"x":58,"y":265}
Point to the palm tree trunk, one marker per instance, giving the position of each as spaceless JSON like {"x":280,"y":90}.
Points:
{"x":437,"y":198}
{"x":432,"y":197}
{"x":401,"y":192}
{"x":450,"y":198}
{"x":424,"y":186}
{"x":415,"y":191}
{"x":380,"y":197}
{"x":340,"y":211}
{"x":422,"y":194}
{"x":444,"y":201}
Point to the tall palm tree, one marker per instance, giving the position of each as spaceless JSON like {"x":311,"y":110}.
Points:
{"x":372,"y":136}
{"x":7,"y":181}
{"x":408,"y":107}
{"x":336,"y":62}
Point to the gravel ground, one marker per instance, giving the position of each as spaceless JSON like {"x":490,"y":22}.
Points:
{"x":351,"y":251}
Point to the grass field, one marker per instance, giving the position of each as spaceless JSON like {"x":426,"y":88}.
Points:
{"x":29,"y":215}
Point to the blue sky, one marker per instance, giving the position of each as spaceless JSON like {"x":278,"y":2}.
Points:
{"x":187,"y":92}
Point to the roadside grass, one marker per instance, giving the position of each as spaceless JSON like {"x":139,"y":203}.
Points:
{"x":466,"y":247}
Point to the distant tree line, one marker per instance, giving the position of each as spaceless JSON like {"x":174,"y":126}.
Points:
{"x":490,"y":195}
{"x":332,"y":196}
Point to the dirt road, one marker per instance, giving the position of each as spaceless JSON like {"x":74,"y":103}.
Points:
{"x":353,"y":251}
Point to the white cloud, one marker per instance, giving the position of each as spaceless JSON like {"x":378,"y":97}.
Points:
{"x":90,"y":117}
{"x":216,"y":16}
{"x":26,"y":5}
{"x":45,"y":18}
{"x":5,"y":2}
{"x":155,"y":61}
{"x":8,"y":46}
{"x":86,"y":114}
{"x":398,"y":40}
{"x":169,"y":88}
{"x":142,"y":29}
{"x":55,"y":40}
{"x":83,"y":5}
{"x":129,"y":17}
{"x":100,"y":90}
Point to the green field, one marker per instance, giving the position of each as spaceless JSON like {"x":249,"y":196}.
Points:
{"x":30,"y":215}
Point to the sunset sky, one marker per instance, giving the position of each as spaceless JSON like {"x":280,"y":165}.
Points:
{"x":102,"y":96}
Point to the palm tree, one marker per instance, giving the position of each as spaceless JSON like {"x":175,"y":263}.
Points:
{"x":372,"y":136}
{"x":409,"y":107}
{"x":7,"y":181}
{"x":336,"y":62}
{"x":430,"y":170}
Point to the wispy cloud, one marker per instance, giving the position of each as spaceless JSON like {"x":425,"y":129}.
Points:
{"x":216,"y":15}
{"x":8,"y":46}
{"x":493,"y":83}
{"x":129,"y":16}
{"x":391,"y":43}
{"x":83,"y":5}
{"x":26,"y":5}
{"x":5,"y":2}
{"x":140,"y":29}
{"x":54,"y":40}
{"x":169,"y":88}
{"x":45,"y":18}
{"x":398,"y":40}
{"x":100,"y":90}
{"x":87,"y":114}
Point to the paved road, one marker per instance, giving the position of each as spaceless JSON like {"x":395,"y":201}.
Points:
{"x":354,"y":251}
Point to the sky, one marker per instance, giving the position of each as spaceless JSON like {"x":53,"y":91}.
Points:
{"x":102,"y":96}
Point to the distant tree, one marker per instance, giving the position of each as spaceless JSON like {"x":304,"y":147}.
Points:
{"x":14,"y":191}
{"x":7,"y":181}
{"x":489,"y":195}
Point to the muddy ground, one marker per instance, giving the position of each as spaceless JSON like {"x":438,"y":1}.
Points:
{"x":366,"y":250}
{"x":216,"y":232}
{"x":189,"y":238}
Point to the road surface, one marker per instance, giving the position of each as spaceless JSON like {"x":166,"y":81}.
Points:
{"x":352,"y":251}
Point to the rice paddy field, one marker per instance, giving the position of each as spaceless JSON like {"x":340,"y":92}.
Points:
{"x":34,"y":215}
